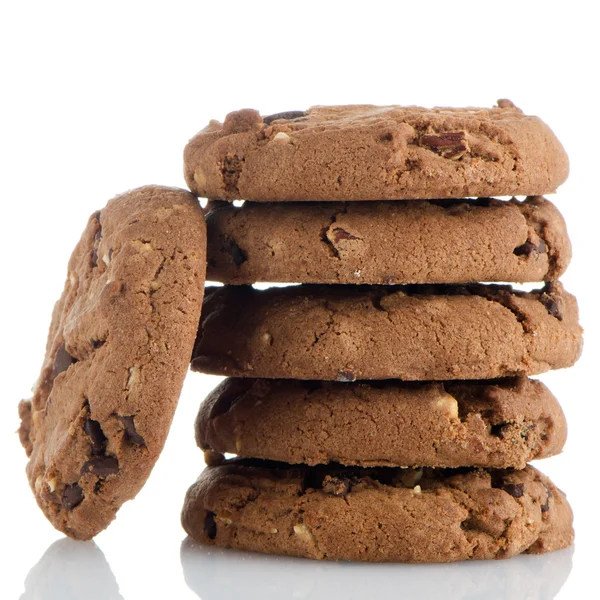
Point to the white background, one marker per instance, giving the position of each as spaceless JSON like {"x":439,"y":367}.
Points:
{"x":100,"y":97}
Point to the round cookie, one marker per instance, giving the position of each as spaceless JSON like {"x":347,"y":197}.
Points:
{"x":365,"y":152}
{"x":436,"y":241}
{"x":414,"y":333}
{"x":378,"y":514}
{"x":118,"y":349}
{"x":493,"y":424}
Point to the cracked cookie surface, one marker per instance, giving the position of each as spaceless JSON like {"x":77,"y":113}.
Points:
{"x":377,"y":514}
{"x":415,"y":333}
{"x":497,"y":424}
{"x":364,"y":152}
{"x":118,"y":348}
{"x":447,"y":241}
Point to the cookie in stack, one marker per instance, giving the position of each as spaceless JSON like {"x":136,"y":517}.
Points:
{"x":382,"y":409}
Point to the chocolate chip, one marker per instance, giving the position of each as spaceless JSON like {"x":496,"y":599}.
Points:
{"x":342,"y":234}
{"x":62,"y":360}
{"x":72,"y":496}
{"x":230,"y":246}
{"x":131,"y":435}
{"x":497,"y":430}
{"x":102,"y":466}
{"x":95,"y":433}
{"x":529,"y":248}
{"x":210,"y":525}
{"x":516,"y":490}
{"x":290,"y":115}
{"x":386,"y":137}
{"x":337,"y":486}
{"x":97,"y":343}
{"x":452,"y":144}
{"x":553,"y":305}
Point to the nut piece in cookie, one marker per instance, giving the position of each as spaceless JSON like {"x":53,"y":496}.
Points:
{"x":118,"y":348}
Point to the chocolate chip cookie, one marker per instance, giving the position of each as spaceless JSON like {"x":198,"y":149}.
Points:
{"x":119,"y":345}
{"x":377,"y":514}
{"x":436,"y":241}
{"x":416,"y":333}
{"x":498,"y":424}
{"x":365,"y":152}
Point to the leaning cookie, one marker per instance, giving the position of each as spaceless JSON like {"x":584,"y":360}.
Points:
{"x":436,"y":241}
{"x":378,"y":514}
{"x":498,"y":424}
{"x":117,"y":352}
{"x":365,"y":152}
{"x":414,"y":333}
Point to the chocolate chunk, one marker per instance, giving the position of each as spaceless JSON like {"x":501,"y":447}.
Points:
{"x":72,"y":496}
{"x":528,"y":248}
{"x":452,"y":144}
{"x":131,"y":434}
{"x":553,"y":305}
{"x":290,"y":115}
{"x":237,"y":254}
{"x":231,"y":170}
{"x":516,"y":490}
{"x":386,"y":137}
{"x":95,"y":433}
{"x":97,"y":344}
{"x":210,"y":525}
{"x":62,"y":361}
{"x":342,"y":234}
{"x":337,"y":486}
{"x":102,"y":466}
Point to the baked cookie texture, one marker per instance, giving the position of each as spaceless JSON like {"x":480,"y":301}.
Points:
{"x":365,"y":152}
{"x":415,"y":333}
{"x":495,"y":424}
{"x":437,"y":241}
{"x":378,"y":514}
{"x":118,"y":349}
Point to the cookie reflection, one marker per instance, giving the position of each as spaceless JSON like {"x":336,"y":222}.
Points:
{"x":215,"y":574}
{"x":71,"y":570}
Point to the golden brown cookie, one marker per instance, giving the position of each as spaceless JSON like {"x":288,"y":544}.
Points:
{"x":436,"y":241}
{"x":414,"y":333}
{"x":365,"y":152}
{"x":377,"y":514}
{"x":498,"y":424}
{"x":118,"y":349}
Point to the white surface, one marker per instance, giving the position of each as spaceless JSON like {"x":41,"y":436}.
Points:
{"x":101,"y":97}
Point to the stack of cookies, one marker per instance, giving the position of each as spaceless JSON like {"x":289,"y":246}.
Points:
{"x":381,"y":410}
